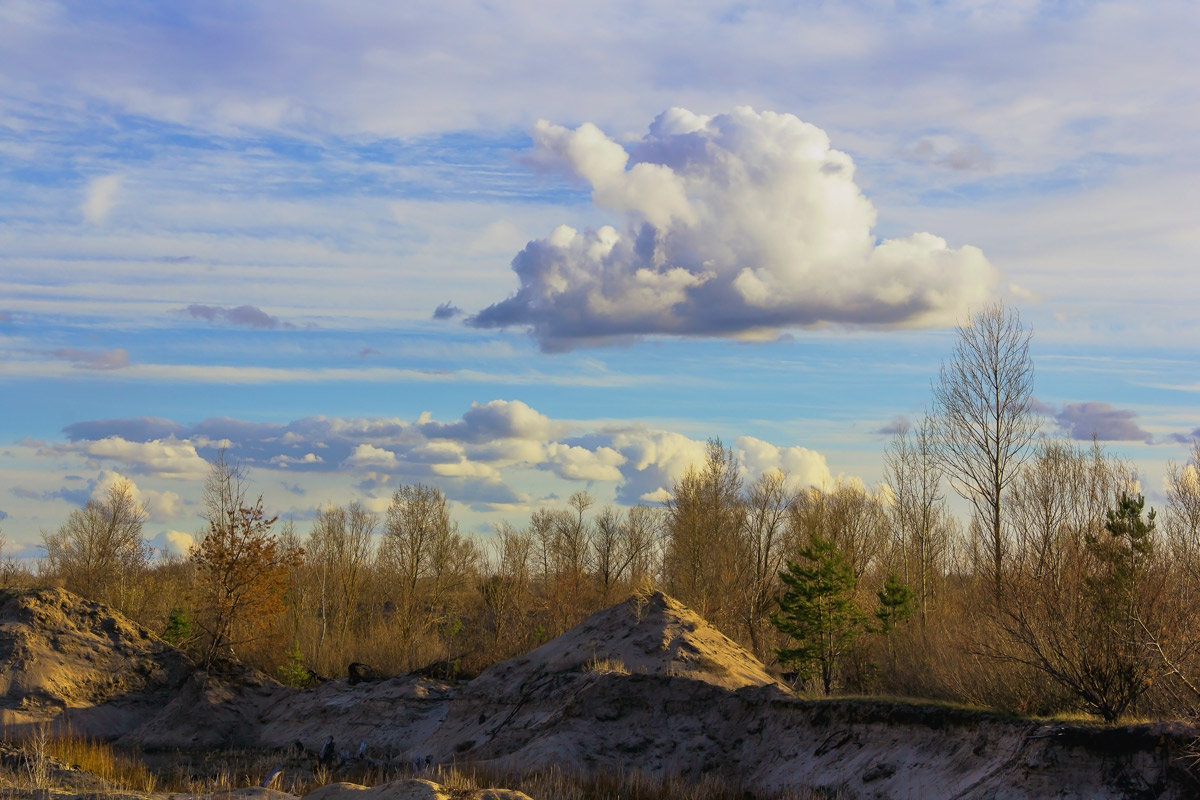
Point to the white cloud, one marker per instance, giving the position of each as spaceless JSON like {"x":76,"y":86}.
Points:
{"x":733,"y":224}
{"x":173,"y":542}
{"x":498,"y":419}
{"x":165,"y":458}
{"x":100,"y":198}
{"x":466,"y":469}
{"x":582,"y":464}
{"x":159,"y":506}
{"x":287,"y":461}
{"x":368,"y":455}
{"x":803,"y":467}
{"x":477,"y":459}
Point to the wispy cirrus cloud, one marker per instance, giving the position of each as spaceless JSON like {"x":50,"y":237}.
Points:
{"x":92,"y":359}
{"x":100,"y":198}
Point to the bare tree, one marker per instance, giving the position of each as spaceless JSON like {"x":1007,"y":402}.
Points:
{"x":621,"y":545}
{"x":339,"y":552}
{"x":99,"y":552}
{"x":762,"y":553}
{"x":919,"y":512}
{"x":607,"y":554}
{"x":224,"y":489}
{"x":417,"y":525}
{"x":983,"y":400}
{"x":703,"y":520}
{"x":507,"y":583}
{"x":640,"y":537}
{"x":1083,"y":593}
{"x":1181,"y":521}
{"x":851,"y":517}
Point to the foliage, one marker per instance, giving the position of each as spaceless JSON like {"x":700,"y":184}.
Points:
{"x":243,"y":574}
{"x":293,"y":672}
{"x":897,"y":603}
{"x":179,"y":630}
{"x":817,"y":611}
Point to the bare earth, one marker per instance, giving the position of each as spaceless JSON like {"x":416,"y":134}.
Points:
{"x":644,"y":684}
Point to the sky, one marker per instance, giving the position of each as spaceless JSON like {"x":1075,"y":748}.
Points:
{"x":517,"y":252}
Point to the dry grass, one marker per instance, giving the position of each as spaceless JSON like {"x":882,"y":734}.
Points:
{"x":617,"y":785}
{"x":606,"y":665}
{"x":64,"y":760}
{"x":212,"y":772}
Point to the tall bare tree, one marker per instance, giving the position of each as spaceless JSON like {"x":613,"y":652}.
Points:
{"x":983,"y":399}
{"x":703,"y":519}
{"x":339,"y":553}
{"x":919,"y":513}
{"x":762,"y":553}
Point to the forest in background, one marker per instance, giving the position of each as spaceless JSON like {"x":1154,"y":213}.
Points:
{"x":1062,"y":592}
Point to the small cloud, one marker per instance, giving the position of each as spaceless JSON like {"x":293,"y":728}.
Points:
{"x":368,"y":351}
{"x":1045,"y":409}
{"x":1102,"y":421}
{"x":294,"y":488}
{"x":173,"y":259}
{"x":899,"y":424}
{"x":92,"y":359}
{"x":367,"y":455}
{"x":176,"y":543}
{"x":100,"y":198}
{"x":1023,"y":294}
{"x":946,"y":151}
{"x":285,"y":461}
{"x":446,"y":310}
{"x":243,"y":316}
{"x":3,"y":514}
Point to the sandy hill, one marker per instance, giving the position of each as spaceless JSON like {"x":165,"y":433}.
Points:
{"x":61,"y":653}
{"x":641,"y":678}
{"x":647,"y":634}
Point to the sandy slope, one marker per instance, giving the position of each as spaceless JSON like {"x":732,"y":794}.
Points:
{"x":60,"y":653}
{"x":645,"y":684}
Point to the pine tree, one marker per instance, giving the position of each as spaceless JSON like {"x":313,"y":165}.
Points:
{"x":817,"y":611}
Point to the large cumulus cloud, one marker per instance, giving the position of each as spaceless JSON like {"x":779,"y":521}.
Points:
{"x":734,"y":225}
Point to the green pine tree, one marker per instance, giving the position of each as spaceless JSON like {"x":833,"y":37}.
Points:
{"x":897,"y":603}
{"x":817,"y":611}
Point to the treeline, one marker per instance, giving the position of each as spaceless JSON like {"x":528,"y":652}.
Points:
{"x":1062,"y":592}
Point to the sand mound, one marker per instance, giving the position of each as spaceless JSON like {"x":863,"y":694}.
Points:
{"x":60,"y":652}
{"x":647,"y":634}
{"x":640,"y":678}
{"x":212,"y":710}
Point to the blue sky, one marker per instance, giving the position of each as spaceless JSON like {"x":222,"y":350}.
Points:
{"x":231,"y":224}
